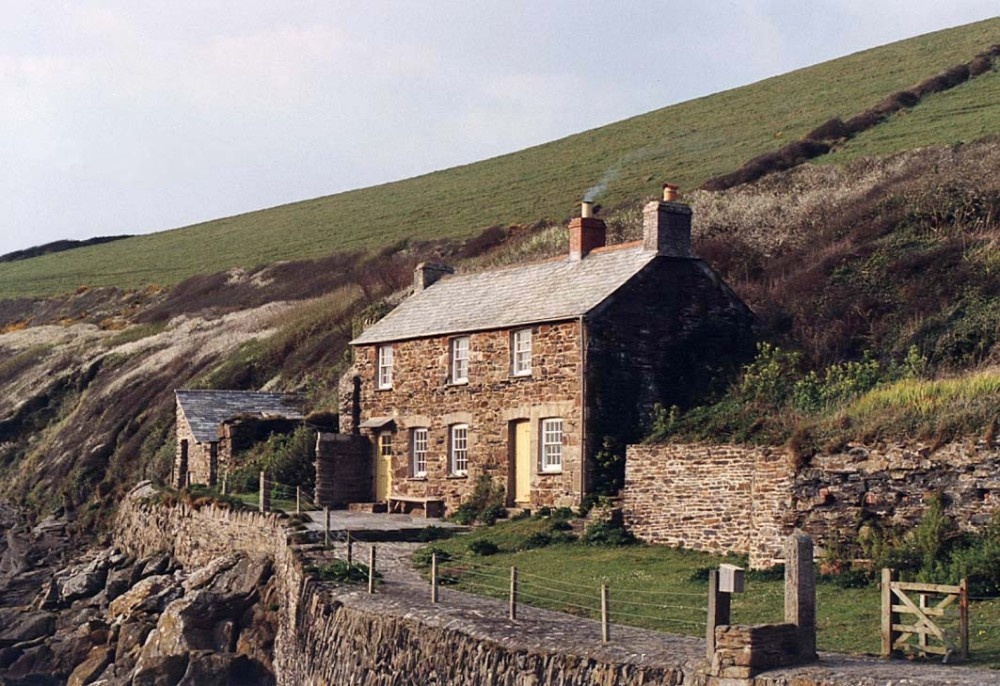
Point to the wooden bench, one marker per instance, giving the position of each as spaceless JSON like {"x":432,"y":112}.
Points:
{"x":404,"y":504}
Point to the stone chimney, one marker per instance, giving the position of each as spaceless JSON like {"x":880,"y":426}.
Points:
{"x":586,"y":232}
{"x":426,"y":273}
{"x":666,"y":225}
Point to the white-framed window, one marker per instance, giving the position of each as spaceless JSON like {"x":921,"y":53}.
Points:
{"x":385,"y":444}
{"x":520,"y":349}
{"x":385,"y":366}
{"x":419,"y":442}
{"x":458,"y":449}
{"x":552,"y":436}
{"x":460,"y":359}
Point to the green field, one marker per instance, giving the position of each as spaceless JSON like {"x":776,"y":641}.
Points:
{"x":656,"y":587}
{"x":685,"y":143}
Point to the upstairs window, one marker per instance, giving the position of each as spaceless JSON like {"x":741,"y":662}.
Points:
{"x":459,"y":449}
{"x":385,"y":366}
{"x":552,"y":438}
{"x":521,"y":353}
{"x":419,"y":466}
{"x":460,"y":360}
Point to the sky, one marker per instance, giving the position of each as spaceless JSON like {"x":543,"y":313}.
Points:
{"x":129,"y":116}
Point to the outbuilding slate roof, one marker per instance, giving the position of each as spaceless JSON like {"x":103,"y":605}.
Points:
{"x":528,"y":294}
{"x":206,"y":410}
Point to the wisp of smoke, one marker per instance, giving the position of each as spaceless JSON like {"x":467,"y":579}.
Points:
{"x":612,"y":173}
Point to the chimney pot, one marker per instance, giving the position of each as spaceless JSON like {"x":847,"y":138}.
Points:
{"x":427,"y":273}
{"x":666,"y":225}
{"x":586,"y":209}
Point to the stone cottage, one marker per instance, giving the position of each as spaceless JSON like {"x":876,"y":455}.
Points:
{"x":212,"y":425}
{"x":524,"y":373}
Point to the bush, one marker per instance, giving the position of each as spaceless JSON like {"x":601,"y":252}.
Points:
{"x":610,"y":533}
{"x":484,"y":547}
{"x":343,"y":571}
{"x":432,"y":533}
{"x":485,"y":503}
{"x":539,"y":539}
{"x":289,"y":460}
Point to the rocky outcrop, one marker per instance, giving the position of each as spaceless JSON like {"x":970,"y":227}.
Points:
{"x":115,"y":620}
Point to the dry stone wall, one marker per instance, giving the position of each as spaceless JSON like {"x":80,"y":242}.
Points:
{"x":746,"y":500}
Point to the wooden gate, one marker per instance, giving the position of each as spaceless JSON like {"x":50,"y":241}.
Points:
{"x":923,"y":606}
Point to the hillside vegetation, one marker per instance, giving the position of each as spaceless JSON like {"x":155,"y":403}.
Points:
{"x":686,"y":143}
{"x":875,"y":279}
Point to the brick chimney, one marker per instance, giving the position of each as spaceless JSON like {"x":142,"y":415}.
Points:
{"x":586,"y":232}
{"x":666,"y":225}
{"x":426,"y":273}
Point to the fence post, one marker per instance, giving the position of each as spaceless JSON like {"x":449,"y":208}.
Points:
{"x":371,"y":570}
{"x":512,"y":602}
{"x":718,"y":612}
{"x":963,"y":616}
{"x":225,"y":484}
{"x":265,"y":497}
{"x":434,"y":577}
{"x":298,"y":500}
{"x":605,"y":627}
{"x":800,"y":591}
{"x":326,"y":527}
{"x":888,"y":616}
{"x":350,"y":549}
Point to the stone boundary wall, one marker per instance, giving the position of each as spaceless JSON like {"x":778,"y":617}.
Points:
{"x":350,"y":637}
{"x":742,"y":499}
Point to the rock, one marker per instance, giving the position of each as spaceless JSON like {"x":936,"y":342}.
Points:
{"x":203,"y":576}
{"x":8,"y":656}
{"x":208,"y":669}
{"x":33,"y":661}
{"x":190,"y":623}
{"x":88,"y":670}
{"x":119,"y":581}
{"x":131,"y":636}
{"x":20,"y":626}
{"x":82,"y":582}
{"x":162,"y":670}
{"x":243,"y":578}
{"x":150,"y":595}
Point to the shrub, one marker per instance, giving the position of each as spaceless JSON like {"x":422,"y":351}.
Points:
{"x":609,"y":534}
{"x":484,"y":547}
{"x":539,"y":539}
{"x":485,"y":504}
{"x":422,"y":558}
{"x":432,"y":533}
{"x":342,"y":571}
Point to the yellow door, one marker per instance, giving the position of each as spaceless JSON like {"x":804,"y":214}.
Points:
{"x":383,"y":467}
{"x":522,"y":463}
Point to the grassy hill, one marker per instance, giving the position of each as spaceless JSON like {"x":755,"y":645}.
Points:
{"x":685,"y":143}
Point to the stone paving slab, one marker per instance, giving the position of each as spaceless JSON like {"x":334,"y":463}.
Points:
{"x":405,"y":593}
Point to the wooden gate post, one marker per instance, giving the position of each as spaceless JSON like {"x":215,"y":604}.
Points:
{"x":889,"y":618}
{"x":963,"y":614}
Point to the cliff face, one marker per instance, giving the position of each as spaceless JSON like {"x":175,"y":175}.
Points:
{"x":86,"y":409}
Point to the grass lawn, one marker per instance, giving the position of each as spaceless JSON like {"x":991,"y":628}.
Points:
{"x":660,"y":588}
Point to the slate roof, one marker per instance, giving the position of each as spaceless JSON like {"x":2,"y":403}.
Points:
{"x":206,"y":410}
{"x":528,"y":294}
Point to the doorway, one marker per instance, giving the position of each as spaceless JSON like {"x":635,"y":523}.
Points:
{"x":383,"y":467}
{"x":520,"y":462}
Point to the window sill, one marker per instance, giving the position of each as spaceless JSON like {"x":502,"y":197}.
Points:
{"x":457,"y":383}
{"x":457,"y":476}
{"x":550,"y":472}
{"x":383,"y":388}
{"x":422,"y":477}
{"x":522,"y":375}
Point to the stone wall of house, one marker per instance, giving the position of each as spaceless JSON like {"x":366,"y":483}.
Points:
{"x":200,"y":464}
{"x":746,"y":500}
{"x":662,"y":339}
{"x":422,"y":397}
{"x":343,"y":469}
